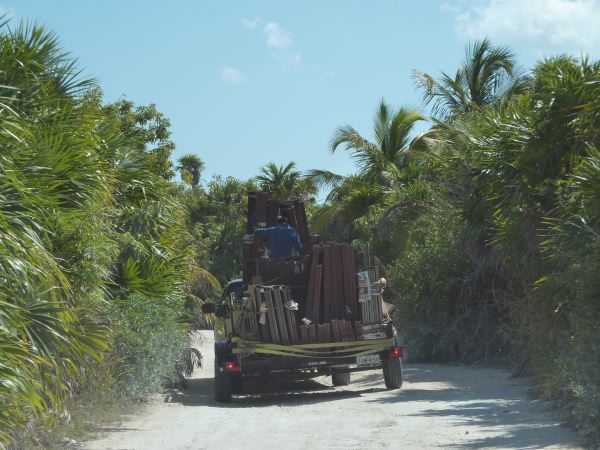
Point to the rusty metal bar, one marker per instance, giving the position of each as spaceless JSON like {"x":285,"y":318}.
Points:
{"x":280,"y":315}
{"x":313,"y":296}
{"x":305,"y":337}
{"x":358,"y":331}
{"x":312,"y":333}
{"x":271,"y":319}
{"x":288,"y":314}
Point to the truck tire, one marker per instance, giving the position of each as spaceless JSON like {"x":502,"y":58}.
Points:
{"x":223,"y":385}
{"x":340,"y":378}
{"x":392,"y":373}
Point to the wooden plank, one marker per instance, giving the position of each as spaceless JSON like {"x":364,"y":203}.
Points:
{"x":271,"y":319}
{"x":287,"y":210}
{"x":345,"y":331}
{"x":350,"y":299}
{"x":345,"y":277}
{"x":293,"y":325}
{"x":358,"y":330}
{"x":340,"y":331}
{"x":302,"y":226}
{"x":272,"y":213}
{"x":317,"y":294}
{"x":350,"y":331}
{"x":311,"y":294}
{"x":335,"y":331}
{"x":264,"y":327}
{"x":291,"y":322}
{"x":328,"y":288}
{"x":305,"y":338}
{"x":321,"y":333}
{"x":250,"y":212}
{"x":327,"y":332}
{"x":250,"y":318}
{"x":354,"y":281}
{"x":260,"y":213}
{"x":288,"y":315}
{"x":338,"y":282}
{"x":280,"y":315}
{"x":327,"y":283}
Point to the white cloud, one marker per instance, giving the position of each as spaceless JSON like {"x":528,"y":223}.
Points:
{"x":548,"y":26}
{"x":277,"y":37}
{"x":251,"y":23}
{"x":229,"y":75}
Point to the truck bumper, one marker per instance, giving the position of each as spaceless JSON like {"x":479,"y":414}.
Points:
{"x":304,"y":367}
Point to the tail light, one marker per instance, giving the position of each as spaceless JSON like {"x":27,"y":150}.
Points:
{"x":232,"y":366}
{"x":396,"y":352}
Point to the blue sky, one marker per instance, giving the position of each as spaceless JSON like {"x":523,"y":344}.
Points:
{"x":248,"y":82}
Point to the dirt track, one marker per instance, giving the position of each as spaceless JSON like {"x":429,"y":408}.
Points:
{"x":439,"y":406}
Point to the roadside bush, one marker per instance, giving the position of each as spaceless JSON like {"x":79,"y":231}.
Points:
{"x":95,"y":258}
{"x":148,"y":342}
{"x":426,"y":283}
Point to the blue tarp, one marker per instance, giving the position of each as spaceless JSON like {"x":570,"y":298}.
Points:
{"x":282,"y":240}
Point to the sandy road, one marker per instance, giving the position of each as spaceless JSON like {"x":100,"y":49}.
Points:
{"x":439,"y":406}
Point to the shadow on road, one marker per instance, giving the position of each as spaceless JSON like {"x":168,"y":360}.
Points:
{"x":200,"y":392}
{"x":514,"y":419}
{"x":480,"y":403}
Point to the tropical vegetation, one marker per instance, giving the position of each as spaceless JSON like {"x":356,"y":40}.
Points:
{"x":488,"y":224}
{"x":95,"y":254}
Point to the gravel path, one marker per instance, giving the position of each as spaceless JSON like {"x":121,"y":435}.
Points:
{"x":439,"y":406}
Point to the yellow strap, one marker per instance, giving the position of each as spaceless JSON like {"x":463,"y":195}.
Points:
{"x":321,"y":355}
{"x":349,"y":349}
{"x":241,"y":341}
{"x":291,"y":349}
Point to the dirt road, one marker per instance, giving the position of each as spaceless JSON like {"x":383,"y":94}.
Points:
{"x":438,"y":406}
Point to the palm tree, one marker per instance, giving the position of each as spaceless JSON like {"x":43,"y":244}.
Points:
{"x":284,"y":182}
{"x":389,"y":151}
{"x":382,"y":164}
{"x":487,"y":75}
{"x":190,"y":166}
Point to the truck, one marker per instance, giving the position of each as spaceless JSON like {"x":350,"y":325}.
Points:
{"x":316,"y":313}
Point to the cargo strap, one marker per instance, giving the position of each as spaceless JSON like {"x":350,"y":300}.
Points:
{"x":320,"y":350}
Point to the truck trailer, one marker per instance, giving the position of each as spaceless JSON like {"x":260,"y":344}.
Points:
{"x":319,"y":312}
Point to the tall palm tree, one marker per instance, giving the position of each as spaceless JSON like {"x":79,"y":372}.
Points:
{"x":389,"y":151}
{"x":381,"y":165}
{"x":190,"y":167}
{"x":284,"y":182}
{"x":487,"y":74}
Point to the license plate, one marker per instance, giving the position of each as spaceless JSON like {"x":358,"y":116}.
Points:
{"x":368,"y":360}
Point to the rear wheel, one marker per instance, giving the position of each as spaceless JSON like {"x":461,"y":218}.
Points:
{"x":392,"y":373}
{"x":223,"y":385}
{"x":340,"y":378}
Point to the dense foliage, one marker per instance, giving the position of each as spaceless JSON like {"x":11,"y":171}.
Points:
{"x":95,"y":260}
{"x":491,"y":225}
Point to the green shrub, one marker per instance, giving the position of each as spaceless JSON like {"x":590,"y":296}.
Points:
{"x":426,"y":283}
{"x":148,"y":341}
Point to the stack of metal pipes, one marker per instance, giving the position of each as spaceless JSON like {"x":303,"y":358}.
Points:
{"x":332,"y":296}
